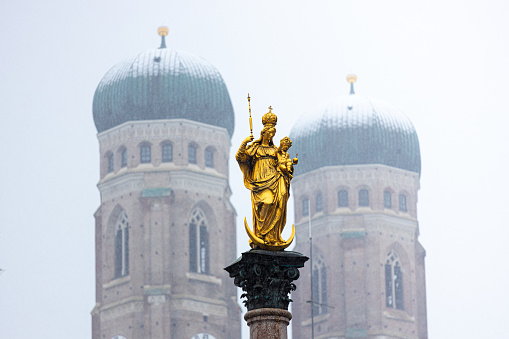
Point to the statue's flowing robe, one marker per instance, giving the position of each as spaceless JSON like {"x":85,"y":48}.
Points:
{"x":269,"y":189}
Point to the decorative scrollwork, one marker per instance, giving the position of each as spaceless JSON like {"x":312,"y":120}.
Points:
{"x":267,"y":279}
{"x":257,"y":269}
{"x":292,"y":273}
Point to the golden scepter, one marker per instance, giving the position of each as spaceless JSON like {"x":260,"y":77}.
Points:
{"x":250,"y":119}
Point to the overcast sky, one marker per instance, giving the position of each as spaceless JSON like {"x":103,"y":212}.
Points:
{"x":444,"y":63}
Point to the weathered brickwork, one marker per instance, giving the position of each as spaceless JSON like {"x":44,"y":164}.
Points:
{"x":353,"y":242}
{"x":161,"y":296}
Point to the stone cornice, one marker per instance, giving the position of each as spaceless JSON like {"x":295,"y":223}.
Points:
{"x":117,"y":282}
{"x":355,"y":174}
{"x":335,"y":224}
{"x":207,"y":181}
{"x":165,"y":129}
{"x":204,"y":278}
{"x":121,"y":302}
{"x":201,"y":305}
{"x":121,"y":185}
{"x":198,"y":181}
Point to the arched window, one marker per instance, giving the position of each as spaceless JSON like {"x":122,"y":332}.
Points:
{"x":123,"y":157}
{"x":387,"y":199}
{"x":111,"y":162}
{"x":191,"y":154}
{"x":305,"y":207}
{"x":319,"y":286}
{"x":145,"y":154}
{"x":363,"y":198}
{"x":121,"y":246}
{"x":209,"y":157}
{"x":342,"y":198}
{"x":198,"y":243}
{"x":319,"y":202}
{"x":167,"y":152}
{"x":393,"y":282}
{"x":402,"y":203}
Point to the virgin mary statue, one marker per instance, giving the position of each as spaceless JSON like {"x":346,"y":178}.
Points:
{"x":267,"y":173}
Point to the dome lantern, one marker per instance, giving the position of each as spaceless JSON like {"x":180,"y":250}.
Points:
{"x":163,"y":32}
{"x":351,"y":78}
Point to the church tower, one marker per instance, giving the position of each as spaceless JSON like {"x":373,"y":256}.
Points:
{"x":165,"y":227}
{"x":356,"y":188}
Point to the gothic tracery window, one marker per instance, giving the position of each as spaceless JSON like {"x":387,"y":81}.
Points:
{"x":198,"y":243}
{"x":393,"y":282}
{"x":319,"y":286}
{"x":121,"y":246}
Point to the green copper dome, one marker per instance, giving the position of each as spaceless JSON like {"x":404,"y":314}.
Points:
{"x":162,"y":84}
{"x":355,"y":130}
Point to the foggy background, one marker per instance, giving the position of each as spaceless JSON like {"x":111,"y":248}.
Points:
{"x":444,"y":63}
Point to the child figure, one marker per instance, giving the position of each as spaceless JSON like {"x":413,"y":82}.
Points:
{"x":285,"y":164}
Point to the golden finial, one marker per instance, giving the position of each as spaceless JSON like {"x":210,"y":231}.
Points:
{"x":270,"y":109}
{"x":351,"y":78}
{"x":163,"y":31}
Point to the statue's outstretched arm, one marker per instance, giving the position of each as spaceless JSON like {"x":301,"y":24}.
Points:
{"x":242,"y":155}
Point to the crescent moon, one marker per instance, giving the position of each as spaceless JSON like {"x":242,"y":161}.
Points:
{"x":261,"y":243}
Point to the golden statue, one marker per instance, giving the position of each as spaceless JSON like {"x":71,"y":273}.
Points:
{"x":267,"y":173}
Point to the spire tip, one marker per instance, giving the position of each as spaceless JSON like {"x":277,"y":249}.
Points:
{"x":351,"y":78}
{"x":163,"y":32}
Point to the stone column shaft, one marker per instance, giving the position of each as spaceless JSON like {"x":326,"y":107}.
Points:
{"x":268,"y":323}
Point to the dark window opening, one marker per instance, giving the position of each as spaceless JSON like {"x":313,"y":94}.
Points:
{"x":402,"y":203}
{"x":167,"y":153}
{"x":319,"y":291}
{"x":145,"y":156}
{"x":305,"y":207}
{"x":111,"y":163}
{"x":199,"y":253}
{"x":209,"y":158}
{"x":123,"y":162}
{"x":191,"y":151}
{"x":319,"y":203}
{"x":121,"y":246}
{"x":387,"y":199}
{"x":343,"y":198}
{"x":393,"y":282}
{"x":364,"y":198}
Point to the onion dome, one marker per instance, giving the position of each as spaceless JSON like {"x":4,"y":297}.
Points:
{"x":163,"y":84}
{"x":355,"y":130}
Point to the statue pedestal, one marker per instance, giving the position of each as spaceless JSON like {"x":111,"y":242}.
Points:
{"x":266,"y":278}
{"x":268,"y":323}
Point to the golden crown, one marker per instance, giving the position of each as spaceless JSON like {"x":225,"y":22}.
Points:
{"x":269,"y":118}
